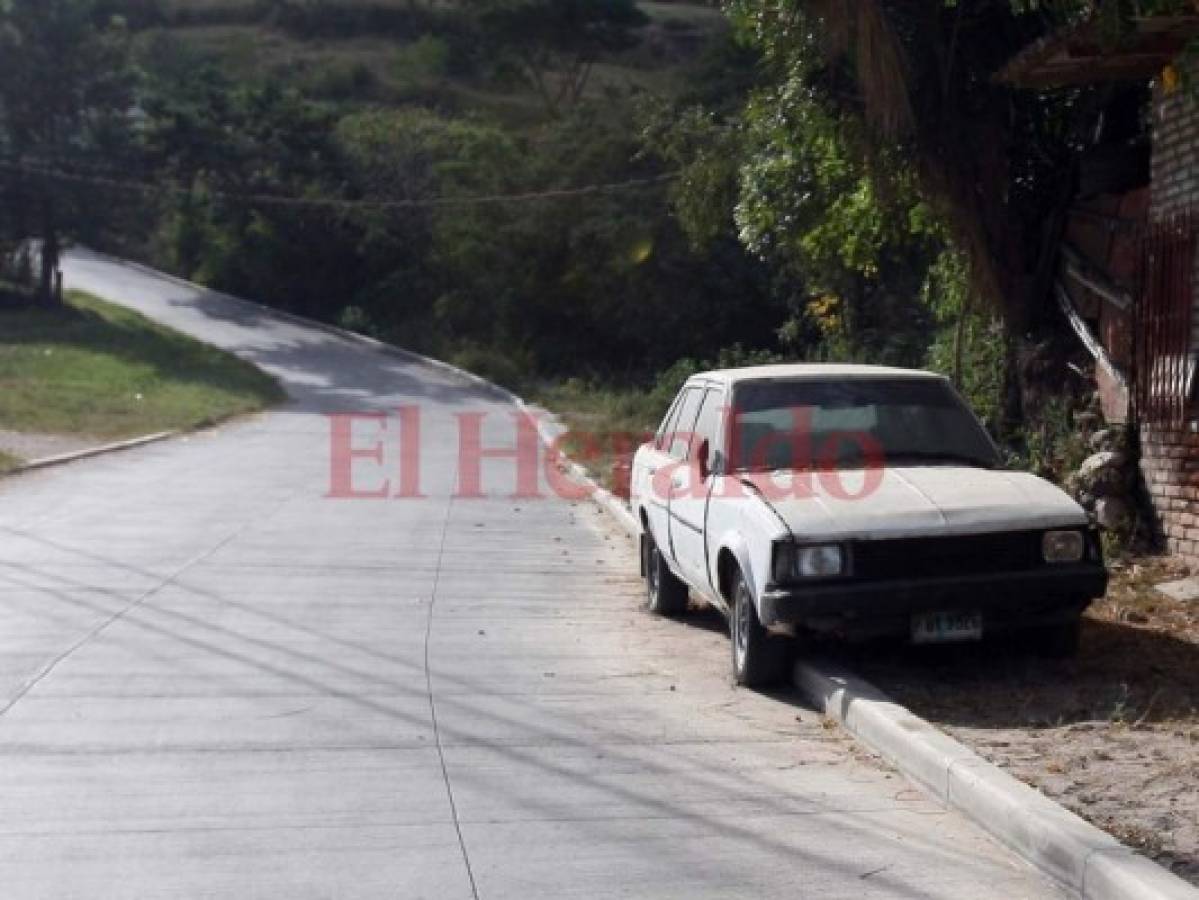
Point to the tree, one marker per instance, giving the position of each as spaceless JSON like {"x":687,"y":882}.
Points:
{"x":66,"y":103}
{"x":919,"y":77}
{"x":841,"y":226}
{"x":237,"y":152}
{"x":558,"y":41}
{"x":911,"y":88}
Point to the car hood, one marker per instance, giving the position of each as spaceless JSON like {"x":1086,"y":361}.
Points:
{"x":913,"y":500}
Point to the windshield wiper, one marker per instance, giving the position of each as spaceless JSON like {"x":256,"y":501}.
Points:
{"x":942,"y":456}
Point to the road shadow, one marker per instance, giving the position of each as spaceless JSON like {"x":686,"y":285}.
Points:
{"x":1122,"y":673}
{"x":177,"y":633}
{"x":704,"y":618}
{"x":322,"y":372}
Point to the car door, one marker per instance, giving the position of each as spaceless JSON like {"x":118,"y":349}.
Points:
{"x":654,"y":481}
{"x":690,"y":492}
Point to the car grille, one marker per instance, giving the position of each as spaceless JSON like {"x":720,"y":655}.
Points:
{"x":974,"y":554}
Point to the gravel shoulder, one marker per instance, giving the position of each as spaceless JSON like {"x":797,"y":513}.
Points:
{"x":1112,"y":735}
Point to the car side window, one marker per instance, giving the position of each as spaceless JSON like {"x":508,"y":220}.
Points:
{"x":662,"y":438}
{"x":707,"y":428}
{"x":683,"y":428}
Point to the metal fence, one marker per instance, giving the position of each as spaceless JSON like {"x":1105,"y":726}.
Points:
{"x":1165,"y":361}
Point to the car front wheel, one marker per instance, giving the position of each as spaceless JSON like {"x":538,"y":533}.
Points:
{"x":666,"y":595}
{"x":759,"y":658}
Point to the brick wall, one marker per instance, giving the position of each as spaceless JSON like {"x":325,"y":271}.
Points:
{"x":1170,"y":465}
{"x":1175,"y":161}
{"x":1170,"y":456}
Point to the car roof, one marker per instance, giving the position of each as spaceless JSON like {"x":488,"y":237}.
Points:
{"x":809,"y":371}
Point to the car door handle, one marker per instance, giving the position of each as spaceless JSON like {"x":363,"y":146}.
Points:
{"x":652,"y":470}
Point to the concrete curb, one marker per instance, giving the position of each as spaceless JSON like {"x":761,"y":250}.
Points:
{"x":104,"y":449}
{"x":1088,"y":862}
{"x":1085,"y":860}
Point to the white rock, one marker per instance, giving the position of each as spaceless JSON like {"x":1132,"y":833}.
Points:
{"x":1111,"y":513}
{"x":1097,"y":462}
{"x":1104,"y":440}
{"x":1185,"y":590}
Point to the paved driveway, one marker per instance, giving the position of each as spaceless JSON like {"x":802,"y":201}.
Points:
{"x":217,"y":681}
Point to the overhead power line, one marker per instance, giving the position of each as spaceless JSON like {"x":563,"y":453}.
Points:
{"x":55,"y":173}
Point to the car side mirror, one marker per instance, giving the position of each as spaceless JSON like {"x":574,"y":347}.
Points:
{"x":703,"y":462}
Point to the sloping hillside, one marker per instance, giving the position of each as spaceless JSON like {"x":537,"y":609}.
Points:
{"x":393,"y":52}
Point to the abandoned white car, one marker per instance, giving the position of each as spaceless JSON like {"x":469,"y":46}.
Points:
{"x":858,"y":501}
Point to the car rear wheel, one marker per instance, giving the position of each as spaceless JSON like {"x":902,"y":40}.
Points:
{"x":666,"y":595}
{"x":759,"y":658}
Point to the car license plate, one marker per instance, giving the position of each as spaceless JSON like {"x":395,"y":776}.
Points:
{"x":946,"y":627}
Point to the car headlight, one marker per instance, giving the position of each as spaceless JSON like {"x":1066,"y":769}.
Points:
{"x":817,"y":561}
{"x":1063,"y":546}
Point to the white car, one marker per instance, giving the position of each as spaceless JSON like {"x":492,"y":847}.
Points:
{"x":853,"y":500}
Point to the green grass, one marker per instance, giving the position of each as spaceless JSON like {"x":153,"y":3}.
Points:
{"x":602,"y":421}
{"x":101,"y":371}
{"x":605,"y":410}
{"x":8,"y":462}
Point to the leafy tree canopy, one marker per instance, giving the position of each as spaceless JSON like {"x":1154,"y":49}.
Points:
{"x":558,"y":41}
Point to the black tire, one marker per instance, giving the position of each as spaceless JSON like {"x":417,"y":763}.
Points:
{"x":759,"y":658}
{"x":665,"y":594}
{"x":1057,"y":641}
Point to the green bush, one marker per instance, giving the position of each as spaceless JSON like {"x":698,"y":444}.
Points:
{"x":426,"y":59}
{"x":340,"y":79}
{"x":325,"y":19}
{"x":969,"y":343}
{"x":231,"y":12}
{"x":981,"y":380}
{"x":668,"y":383}
{"x":136,"y":14}
{"x":737,"y":357}
{"x":1053,"y":448}
{"x":502,"y":368}
{"x":356,"y":319}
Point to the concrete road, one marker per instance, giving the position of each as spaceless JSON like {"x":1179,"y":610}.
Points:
{"x":217,"y":681}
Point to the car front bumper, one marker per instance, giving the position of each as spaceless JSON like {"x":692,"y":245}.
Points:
{"x":1007,"y":600}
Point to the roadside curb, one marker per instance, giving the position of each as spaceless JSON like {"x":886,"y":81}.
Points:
{"x":103,"y":450}
{"x":1081,"y":857}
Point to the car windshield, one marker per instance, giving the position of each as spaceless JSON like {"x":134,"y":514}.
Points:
{"x":854,"y":423}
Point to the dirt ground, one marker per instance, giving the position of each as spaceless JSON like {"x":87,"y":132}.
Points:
{"x":1112,"y":735}
{"x":39,"y":446}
